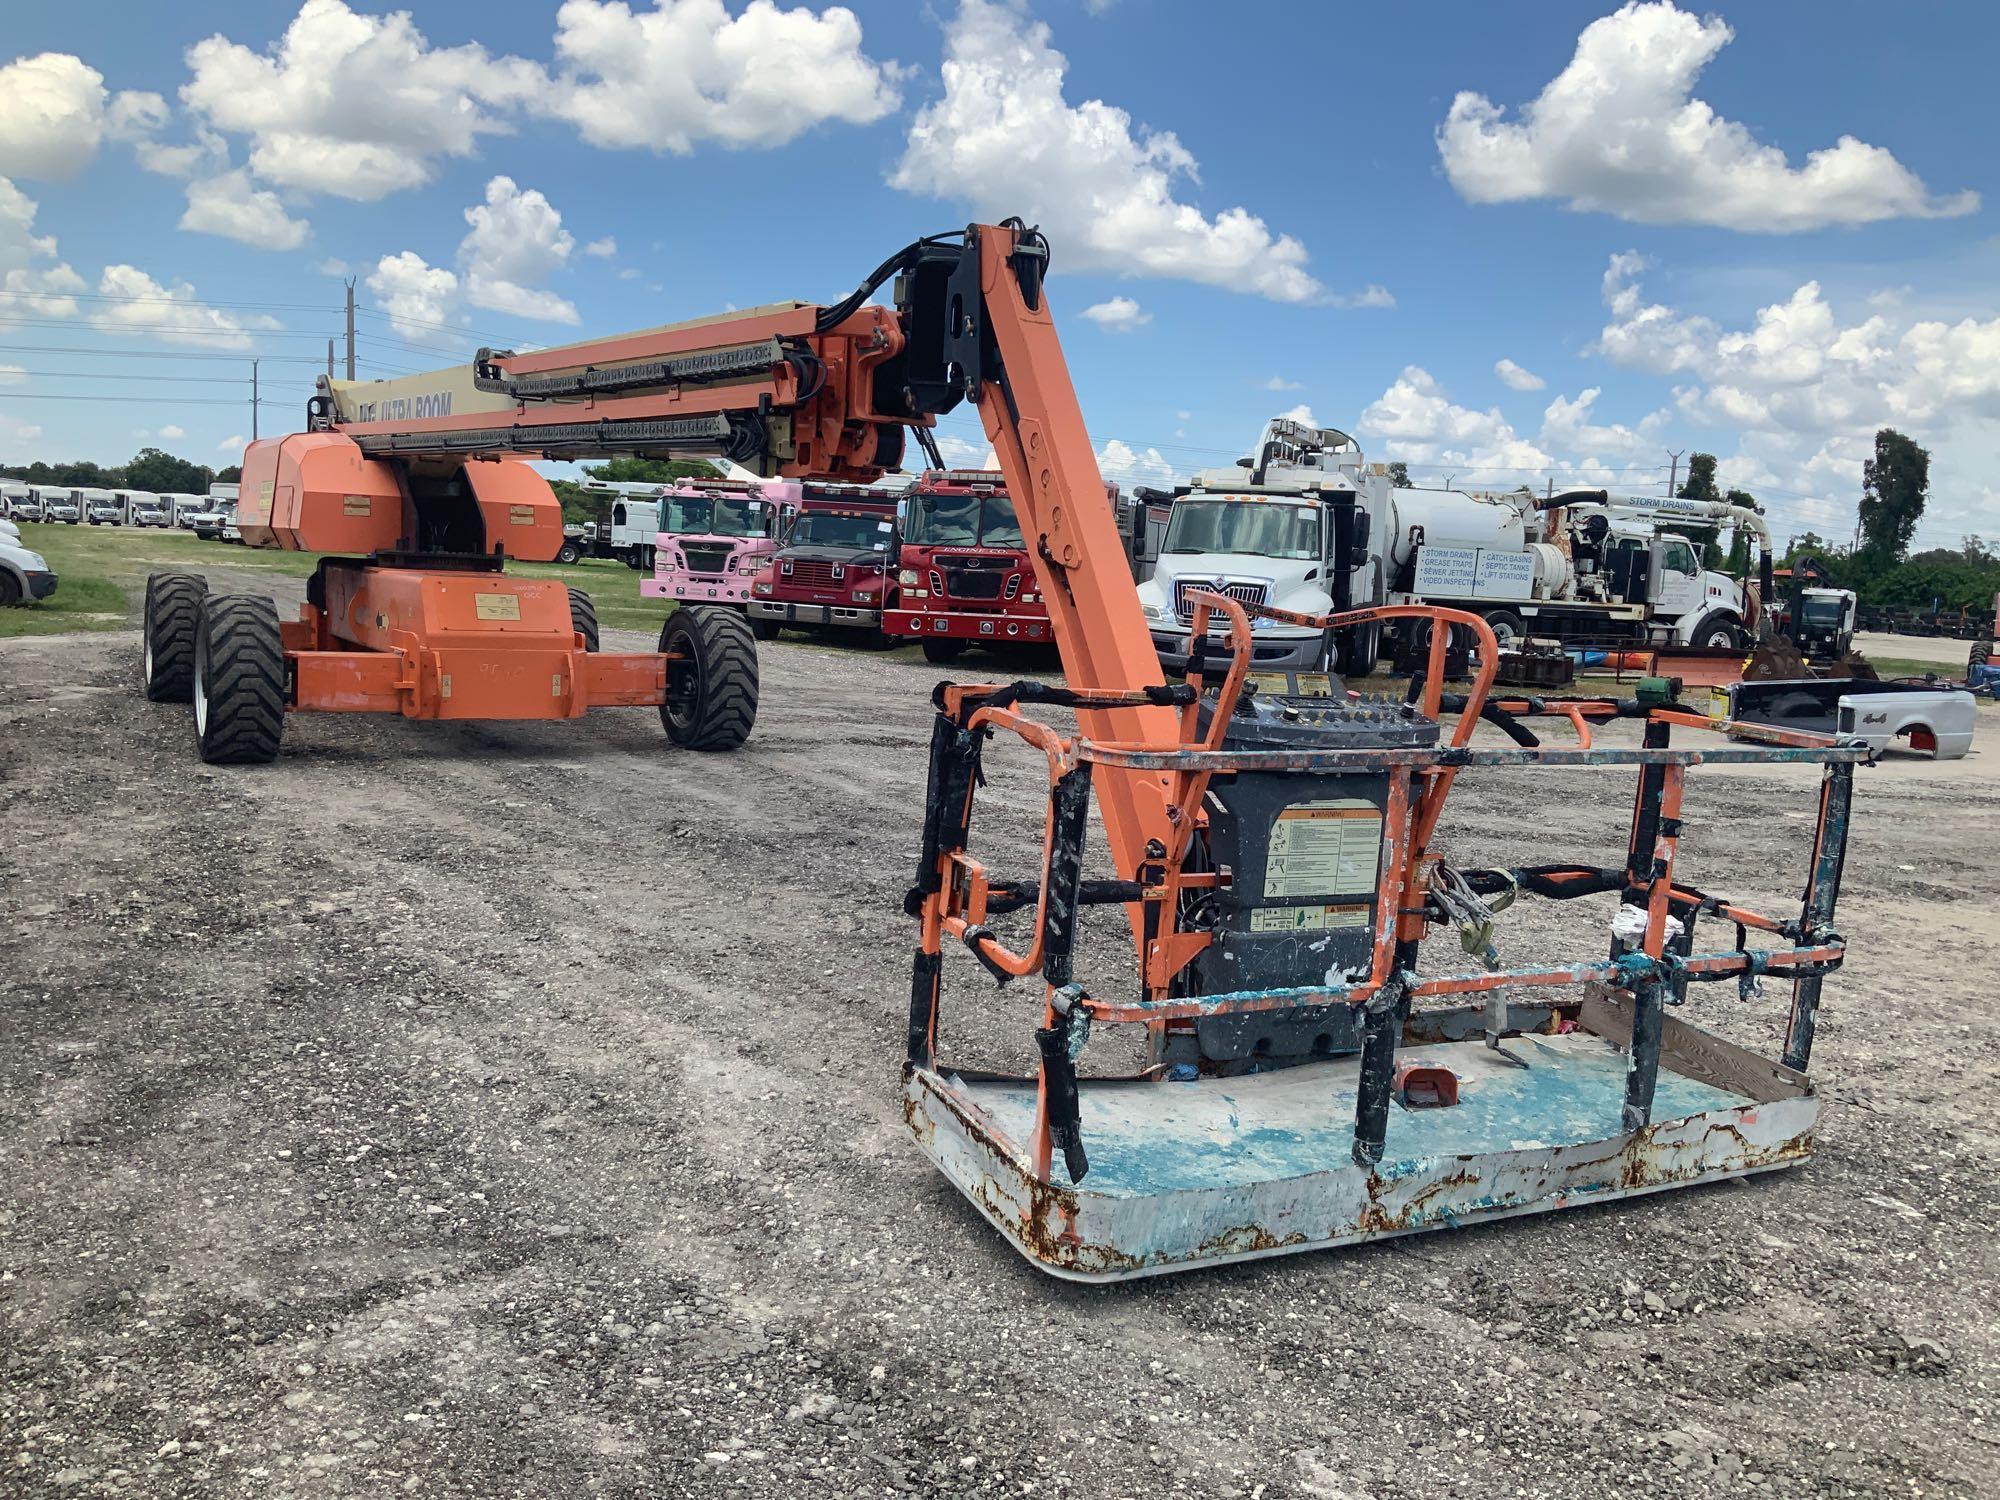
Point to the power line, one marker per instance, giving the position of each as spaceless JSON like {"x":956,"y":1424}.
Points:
{"x":135,"y":400}
{"x":302,"y":359}
{"x":109,"y":375}
{"x":166,"y":301}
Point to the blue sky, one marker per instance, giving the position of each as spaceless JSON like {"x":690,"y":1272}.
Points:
{"x":1763,"y":231}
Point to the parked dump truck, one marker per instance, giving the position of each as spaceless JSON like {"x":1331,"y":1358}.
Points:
{"x":833,"y":569}
{"x":714,"y":535}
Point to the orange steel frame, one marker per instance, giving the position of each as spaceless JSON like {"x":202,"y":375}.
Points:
{"x":958,"y":908}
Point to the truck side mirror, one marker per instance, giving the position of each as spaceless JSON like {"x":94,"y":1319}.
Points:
{"x":1358,"y":533}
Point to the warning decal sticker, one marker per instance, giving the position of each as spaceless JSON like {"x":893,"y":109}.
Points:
{"x":1308,"y":918}
{"x":1325,"y":849}
{"x":496,"y":606}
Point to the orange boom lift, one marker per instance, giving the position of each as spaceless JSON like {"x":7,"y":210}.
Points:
{"x":419,"y":490}
{"x":1272,"y":840}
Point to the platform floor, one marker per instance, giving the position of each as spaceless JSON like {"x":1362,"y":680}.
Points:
{"x":1146,"y":1138}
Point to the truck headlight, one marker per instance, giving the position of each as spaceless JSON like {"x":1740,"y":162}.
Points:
{"x":907,"y":577}
{"x":760,"y":587}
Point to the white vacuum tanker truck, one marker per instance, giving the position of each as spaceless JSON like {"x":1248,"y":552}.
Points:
{"x":1584,"y":566}
{"x":1312,"y":527}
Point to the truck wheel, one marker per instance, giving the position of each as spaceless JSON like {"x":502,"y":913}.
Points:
{"x":583,"y":618}
{"x":1718,"y":635}
{"x":172,"y":620}
{"x":712,"y":687}
{"x":1508,"y":628}
{"x":10,"y":590}
{"x":1980,"y":654}
{"x":1364,"y":650}
{"x":569,"y":552}
{"x":239,"y":680}
{"x":941,"y":649}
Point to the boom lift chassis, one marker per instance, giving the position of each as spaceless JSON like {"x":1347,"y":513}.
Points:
{"x":1272,"y":849}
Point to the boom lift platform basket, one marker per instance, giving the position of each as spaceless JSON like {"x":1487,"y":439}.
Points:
{"x":1279,"y":982}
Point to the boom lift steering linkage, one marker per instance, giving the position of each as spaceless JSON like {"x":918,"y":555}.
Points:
{"x":1272,"y":841}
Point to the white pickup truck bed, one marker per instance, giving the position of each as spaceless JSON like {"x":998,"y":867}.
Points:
{"x":1930,"y":717}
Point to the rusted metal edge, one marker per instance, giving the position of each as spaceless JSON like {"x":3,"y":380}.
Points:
{"x":1136,"y":758}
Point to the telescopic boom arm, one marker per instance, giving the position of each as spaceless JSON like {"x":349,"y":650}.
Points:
{"x":800,"y":391}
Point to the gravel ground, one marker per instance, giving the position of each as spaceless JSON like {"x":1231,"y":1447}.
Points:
{"x":511,"y":1110}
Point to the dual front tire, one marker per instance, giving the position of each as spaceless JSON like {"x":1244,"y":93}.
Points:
{"x":225,"y":654}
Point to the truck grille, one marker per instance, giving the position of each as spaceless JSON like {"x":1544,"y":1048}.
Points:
{"x":968,"y":583}
{"x":710,"y":558}
{"x":1241,"y":589}
{"x":813,"y":572}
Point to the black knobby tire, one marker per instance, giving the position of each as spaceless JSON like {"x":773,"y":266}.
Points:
{"x":583,"y":618}
{"x":765,"y":630}
{"x":1980,"y":654}
{"x":941,"y":649}
{"x":712,"y":688}
{"x":239,"y":680}
{"x":173,"y":620}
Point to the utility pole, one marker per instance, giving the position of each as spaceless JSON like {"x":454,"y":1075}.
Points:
{"x":329,"y":359}
{"x":1673,"y":472}
{"x":350,"y":328}
{"x":253,"y":400}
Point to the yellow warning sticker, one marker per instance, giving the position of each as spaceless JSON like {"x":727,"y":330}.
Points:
{"x":1308,"y":918}
{"x":497,"y":606}
{"x":1329,"y":848}
{"x":1718,"y":703}
{"x":267,"y":489}
{"x":356,"y":505}
{"x":521,"y":515}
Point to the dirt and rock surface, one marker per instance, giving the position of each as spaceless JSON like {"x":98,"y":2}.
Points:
{"x":512,"y":1110}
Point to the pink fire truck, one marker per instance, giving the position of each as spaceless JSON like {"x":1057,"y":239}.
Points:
{"x":714,"y":536}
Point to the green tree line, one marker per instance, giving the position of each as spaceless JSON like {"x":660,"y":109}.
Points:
{"x":153,"y":470}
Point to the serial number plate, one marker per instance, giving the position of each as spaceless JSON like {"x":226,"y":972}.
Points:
{"x":496,"y":606}
{"x":521,"y":515}
{"x":356,"y":505}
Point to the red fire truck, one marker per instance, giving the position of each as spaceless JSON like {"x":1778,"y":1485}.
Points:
{"x":833,"y":568}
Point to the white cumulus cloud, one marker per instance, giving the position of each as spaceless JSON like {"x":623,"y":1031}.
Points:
{"x":1117,"y":315}
{"x":30,"y":273}
{"x":1804,"y":391}
{"x":171,"y":432}
{"x":55,"y":112}
{"x":417,"y":296}
{"x":136,"y":303}
{"x":354,"y":105}
{"x":1515,"y":378}
{"x":1126,"y":466}
{"x":1618,"y":131}
{"x":687,"y":71}
{"x":1004,"y":139}
{"x":603,"y":249}
{"x":517,"y":239}
{"x":230,"y":206}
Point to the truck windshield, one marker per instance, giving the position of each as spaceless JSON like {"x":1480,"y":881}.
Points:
{"x":1249,"y":528}
{"x":821,"y":528}
{"x":965,"y":521}
{"x":714,"y":515}
{"x":1821,"y":611}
